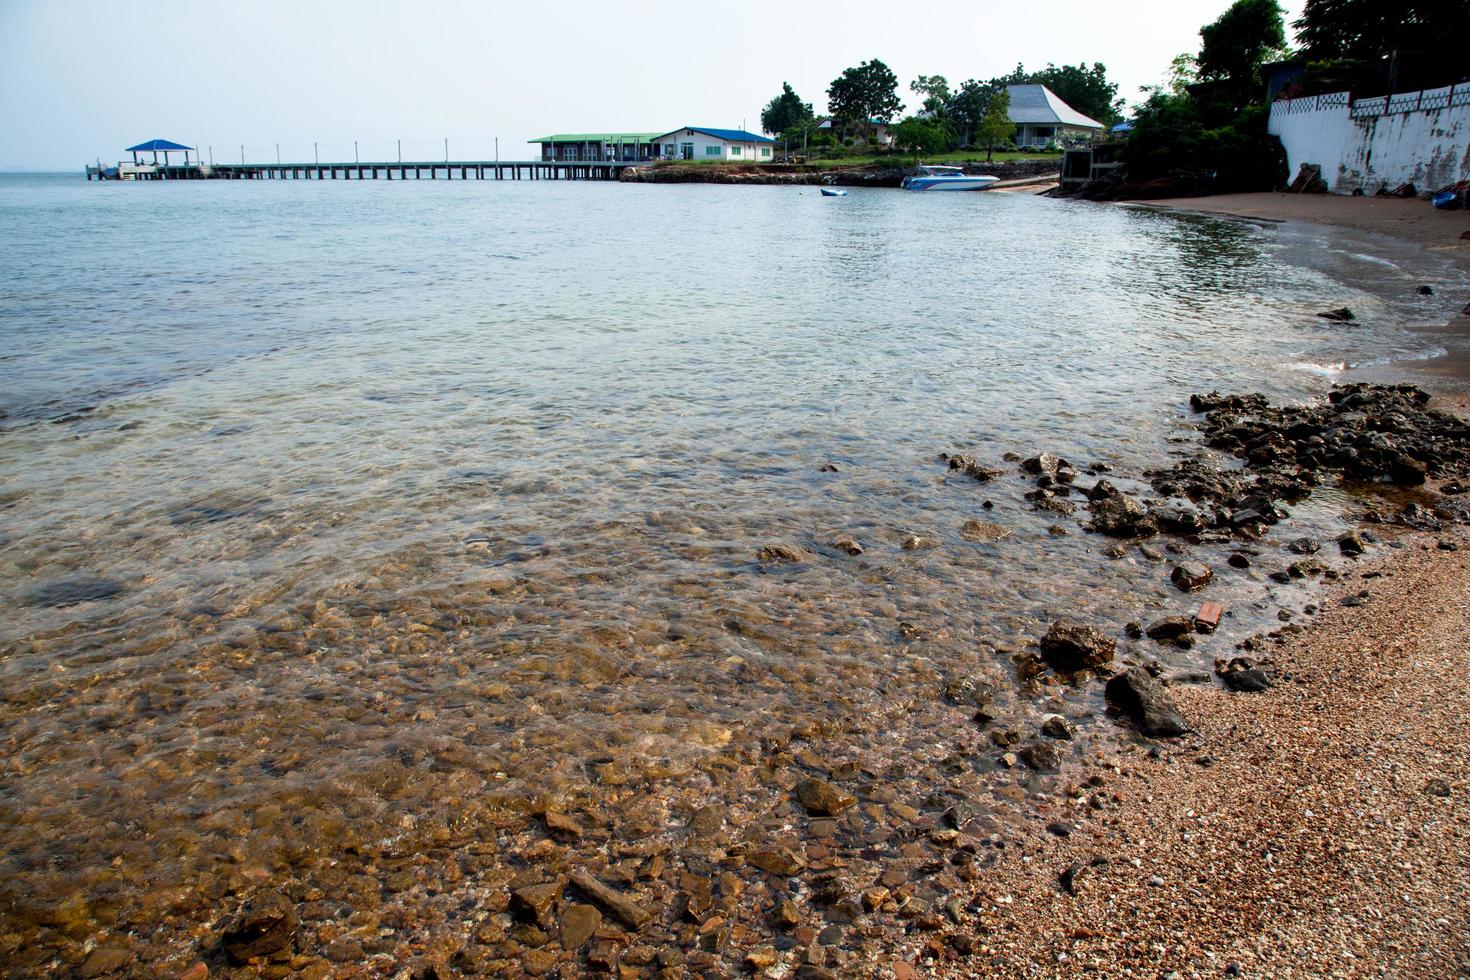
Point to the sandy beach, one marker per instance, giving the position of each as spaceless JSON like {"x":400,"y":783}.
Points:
{"x":1314,"y":829}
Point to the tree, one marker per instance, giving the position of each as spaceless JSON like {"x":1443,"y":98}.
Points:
{"x":997,"y":125}
{"x":923,"y":135}
{"x":1404,"y":44}
{"x":935,"y":90}
{"x":865,"y":93}
{"x":786,"y":113}
{"x":966,"y":108}
{"x":1242,"y":39}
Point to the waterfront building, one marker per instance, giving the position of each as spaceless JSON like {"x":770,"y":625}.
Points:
{"x":1041,"y":117}
{"x":597,"y":146}
{"x":705,"y":143}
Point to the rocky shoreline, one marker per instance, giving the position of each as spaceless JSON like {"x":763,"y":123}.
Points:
{"x":813,"y":860}
{"x":807,"y":176}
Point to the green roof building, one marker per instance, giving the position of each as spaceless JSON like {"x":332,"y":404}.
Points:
{"x":597,"y":146}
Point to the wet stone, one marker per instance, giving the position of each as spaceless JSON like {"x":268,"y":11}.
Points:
{"x":1141,"y":696}
{"x":1191,"y":576}
{"x":1070,"y":645}
{"x":534,"y":902}
{"x":821,"y":798}
{"x":578,"y":923}
{"x":267,"y":924}
{"x":778,"y":861}
{"x":983,"y":531}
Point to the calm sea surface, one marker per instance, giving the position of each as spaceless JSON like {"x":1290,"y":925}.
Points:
{"x":329,"y":510}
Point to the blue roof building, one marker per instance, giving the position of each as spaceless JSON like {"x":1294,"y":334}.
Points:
{"x":709,"y":143}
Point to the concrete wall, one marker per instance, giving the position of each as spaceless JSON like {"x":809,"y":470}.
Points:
{"x":1418,"y":137}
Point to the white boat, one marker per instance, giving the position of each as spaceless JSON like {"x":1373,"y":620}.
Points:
{"x":946,"y":179}
{"x":831,"y":192}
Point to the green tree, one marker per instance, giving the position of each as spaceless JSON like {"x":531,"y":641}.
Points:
{"x":786,"y":113}
{"x":1403,"y":44}
{"x":935,"y":92}
{"x":966,"y":108}
{"x":1242,"y":39}
{"x":862,"y":94}
{"x":923,"y":135}
{"x":996,"y":127}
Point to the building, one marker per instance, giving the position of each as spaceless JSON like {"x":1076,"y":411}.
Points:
{"x":597,"y":146}
{"x":704,"y":143}
{"x":1042,"y":118}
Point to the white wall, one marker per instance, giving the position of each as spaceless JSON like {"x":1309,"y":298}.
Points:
{"x":749,"y":152}
{"x":1362,"y":145}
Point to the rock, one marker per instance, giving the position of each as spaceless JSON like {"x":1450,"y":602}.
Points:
{"x":821,"y":798}
{"x":1122,"y":516}
{"x":781,"y":553}
{"x":1351,"y":544}
{"x":197,"y":971}
{"x":1141,"y":696}
{"x":969,"y":467}
{"x":1340,"y":315}
{"x":778,"y":861}
{"x":1056,"y":726}
{"x":1425,"y":291}
{"x":1059,"y":829}
{"x":787,"y":915}
{"x":533,"y":903}
{"x":104,"y":960}
{"x":1179,"y":516}
{"x":560,"y":823}
{"x":1044,"y":464}
{"x":983,"y":531}
{"x":613,"y":902}
{"x":1070,"y":645}
{"x":1305,"y":546}
{"x":267,"y":924}
{"x":707,"y":821}
{"x":848,"y":545}
{"x":1437,"y":787}
{"x":1252,"y":679}
{"x":761,"y":958}
{"x":914,"y":542}
{"x":1170,"y":628}
{"x":1238,"y":560}
{"x":578,"y":923}
{"x":1042,"y":756}
{"x":1191,"y":576}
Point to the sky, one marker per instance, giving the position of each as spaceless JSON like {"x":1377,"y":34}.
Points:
{"x":82,"y":80}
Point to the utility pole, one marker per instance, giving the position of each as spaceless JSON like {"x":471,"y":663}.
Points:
{"x":211,"y":156}
{"x":497,"y":149}
{"x":354,"y":152}
{"x":278,"y":154}
{"x":400,"y":151}
{"x":242,"y":154}
{"x":446,"y":149}
{"x":316,"y":152}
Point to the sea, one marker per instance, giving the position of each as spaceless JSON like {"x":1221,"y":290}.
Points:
{"x":338,"y":513}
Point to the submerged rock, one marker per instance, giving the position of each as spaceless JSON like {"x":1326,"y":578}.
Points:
{"x":267,"y":924}
{"x":821,"y":798}
{"x":973,"y":530}
{"x":1143,"y":698}
{"x":1121,"y":516}
{"x":1191,"y":576}
{"x":1070,"y":645}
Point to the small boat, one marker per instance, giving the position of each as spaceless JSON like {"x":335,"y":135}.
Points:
{"x":833,"y":192}
{"x":946,"y":179}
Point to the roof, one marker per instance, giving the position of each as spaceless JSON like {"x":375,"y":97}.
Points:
{"x":1039,"y":104}
{"x":157,"y":145}
{"x":594,"y":138}
{"x":826,"y":122}
{"x":729,"y":135}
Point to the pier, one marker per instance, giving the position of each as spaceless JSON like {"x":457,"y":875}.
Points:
{"x":388,"y":170}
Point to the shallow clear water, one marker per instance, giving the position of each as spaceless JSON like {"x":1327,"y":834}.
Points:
{"x":339,"y":505}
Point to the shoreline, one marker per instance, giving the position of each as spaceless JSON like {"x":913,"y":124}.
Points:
{"x":1411,"y":221}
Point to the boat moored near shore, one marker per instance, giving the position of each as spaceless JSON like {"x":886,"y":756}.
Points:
{"x":947,"y":179}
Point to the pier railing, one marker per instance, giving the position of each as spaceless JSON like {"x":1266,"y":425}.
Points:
{"x":370,"y":170}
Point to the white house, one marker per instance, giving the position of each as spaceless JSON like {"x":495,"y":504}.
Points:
{"x":704,"y":143}
{"x":1041,"y":117}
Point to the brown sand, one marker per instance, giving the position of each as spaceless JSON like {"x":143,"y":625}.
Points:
{"x":1296,"y":835}
{"x":1411,"y":219}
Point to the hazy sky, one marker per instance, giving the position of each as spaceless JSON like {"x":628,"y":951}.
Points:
{"x":80,"y":80}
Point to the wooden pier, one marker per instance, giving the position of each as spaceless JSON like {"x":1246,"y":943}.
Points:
{"x":399,"y":170}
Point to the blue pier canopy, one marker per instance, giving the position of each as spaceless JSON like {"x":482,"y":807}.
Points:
{"x":156,"y":145}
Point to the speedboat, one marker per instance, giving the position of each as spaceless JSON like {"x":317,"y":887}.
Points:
{"x":946,"y":179}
